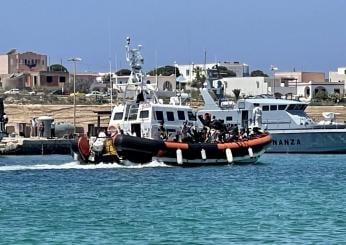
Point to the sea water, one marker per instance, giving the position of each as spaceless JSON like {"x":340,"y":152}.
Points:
{"x":295,"y":199}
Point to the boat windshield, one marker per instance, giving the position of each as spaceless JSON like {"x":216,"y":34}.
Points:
{"x":296,"y":107}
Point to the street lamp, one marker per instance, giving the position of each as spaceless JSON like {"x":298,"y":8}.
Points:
{"x":74,"y":60}
{"x":273,"y":69}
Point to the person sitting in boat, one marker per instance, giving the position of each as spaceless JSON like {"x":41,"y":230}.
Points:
{"x":163,"y":131}
{"x":243,"y":134}
{"x":205,"y":119}
{"x":234,"y":133}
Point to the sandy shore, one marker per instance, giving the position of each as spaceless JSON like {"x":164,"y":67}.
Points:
{"x":85,"y":113}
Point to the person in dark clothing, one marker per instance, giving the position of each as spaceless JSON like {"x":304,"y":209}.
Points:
{"x":205,"y":120}
{"x":163,"y":132}
{"x":140,"y":97}
{"x":41,"y":128}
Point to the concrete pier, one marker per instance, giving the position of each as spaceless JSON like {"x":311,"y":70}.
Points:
{"x":34,"y":146}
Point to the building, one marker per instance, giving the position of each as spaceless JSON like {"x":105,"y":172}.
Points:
{"x":249,"y":86}
{"x":189,"y":71}
{"x":338,"y":76}
{"x":304,"y":85}
{"x":14,"y":62}
{"x":30,"y":70}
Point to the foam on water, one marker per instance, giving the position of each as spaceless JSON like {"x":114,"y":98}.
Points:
{"x":77,"y":165}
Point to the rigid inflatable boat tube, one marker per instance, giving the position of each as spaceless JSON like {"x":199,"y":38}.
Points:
{"x":179,"y":157}
{"x":229,"y":155}
{"x":250,"y":152}
{"x":265,"y":139}
{"x":203,"y":154}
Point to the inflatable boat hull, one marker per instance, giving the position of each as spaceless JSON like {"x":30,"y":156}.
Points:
{"x":141,"y":151}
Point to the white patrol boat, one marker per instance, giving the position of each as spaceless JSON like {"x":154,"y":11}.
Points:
{"x":293,"y":131}
{"x":142,"y":128}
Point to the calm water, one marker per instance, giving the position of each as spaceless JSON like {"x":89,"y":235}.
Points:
{"x":283,"y":199}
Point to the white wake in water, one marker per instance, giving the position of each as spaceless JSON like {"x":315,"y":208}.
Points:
{"x":76,"y":165}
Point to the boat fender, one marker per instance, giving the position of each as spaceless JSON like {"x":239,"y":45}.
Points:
{"x":250,"y":152}
{"x":203,"y":154}
{"x":229,"y":155}
{"x":179,"y":157}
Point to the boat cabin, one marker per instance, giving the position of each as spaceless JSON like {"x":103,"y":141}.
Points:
{"x":146,"y":119}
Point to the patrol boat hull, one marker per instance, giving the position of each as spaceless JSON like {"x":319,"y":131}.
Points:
{"x":308,"y":141}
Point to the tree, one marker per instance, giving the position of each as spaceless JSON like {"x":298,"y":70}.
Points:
{"x":123,"y":72}
{"x":236,"y":93}
{"x":258,"y":73}
{"x":199,"y":79}
{"x":224,"y":72}
{"x":57,"y":67}
{"x":165,"y":71}
{"x":321,"y":95}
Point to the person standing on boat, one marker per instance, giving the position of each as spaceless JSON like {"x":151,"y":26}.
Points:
{"x":52,"y":129}
{"x":41,"y":128}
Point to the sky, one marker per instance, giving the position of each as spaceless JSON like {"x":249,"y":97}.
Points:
{"x":305,"y":35}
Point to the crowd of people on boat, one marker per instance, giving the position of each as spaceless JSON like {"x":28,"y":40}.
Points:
{"x":213,"y":131}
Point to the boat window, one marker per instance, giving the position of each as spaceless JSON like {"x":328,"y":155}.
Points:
{"x":256,"y":104}
{"x":273,"y":107}
{"x":228,"y":118}
{"x":170,"y":116}
{"x":133,"y":114}
{"x":181,"y":115}
{"x":290,"y":107}
{"x":144,"y":114}
{"x":192,"y":117}
{"x":159,"y":115}
{"x":282,"y":107}
{"x":299,"y":107}
{"x":296,"y":107}
{"x":118,"y":116}
{"x":265,"y":108}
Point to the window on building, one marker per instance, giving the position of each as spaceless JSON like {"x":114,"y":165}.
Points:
{"x":118,"y":116}
{"x":49,"y":79}
{"x":257,"y":83}
{"x":144,"y":114}
{"x":42,"y":62}
{"x":282,"y":107}
{"x":167,"y":86}
{"x":265,"y":108}
{"x":159,"y":115}
{"x":187,"y":72}
{"x":170,"y":116}
{"x":62,"y":79}
{"x":181,"y":115}
{"x":337,"y":91}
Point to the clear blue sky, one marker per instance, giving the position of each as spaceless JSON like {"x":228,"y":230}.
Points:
{"x":306,"y":35}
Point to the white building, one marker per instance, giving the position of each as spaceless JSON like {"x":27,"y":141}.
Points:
{"x":188,"y":71}
{"x":338,"y":76}
{"x":306,"y":91}
{"x":249,"y":86}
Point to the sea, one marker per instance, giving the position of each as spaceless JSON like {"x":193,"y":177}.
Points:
{"x":282,"y":199}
